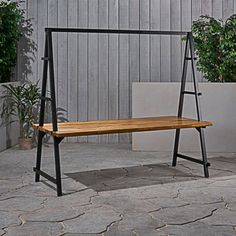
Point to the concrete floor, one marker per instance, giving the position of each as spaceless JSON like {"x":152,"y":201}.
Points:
{"x":110,"y":190}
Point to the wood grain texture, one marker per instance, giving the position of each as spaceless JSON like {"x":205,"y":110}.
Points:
{"x":113,"y":51}
{"x":176,"y":57}
{"x":72,"y":65}
{"x":186,"y":21}
{"x":82,"y":96}
{"x":155,"y":47}
{"x":217,"y":9}
{"x":103,"y":66}
{"x":93,"y":65}
{"x":53,"y":22}
{"x":145,"y":41}
{"x":228,"y":8}
{"x":134,"y":48}
{"x":165,"y":42}
{"x":124,"y":84}
{"x":207,"y":7}
{"x":69,"y":129}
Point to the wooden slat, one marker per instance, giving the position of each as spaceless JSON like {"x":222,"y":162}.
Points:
{"x":62,"y":90}
{"x":121,"y":126}
{"x":144,"y":42}
{"x":228,"y":8}
{"x":103,"y":66}
{"x":134,"y":65}
{"x":82,"y":96}
{"x":176,"y":59}
{"x":72,"y":65}
{"x":207,"y":7}
{"x":93,"y":65}
{"x":124,"y":94}
{"x":165,"y":42}
{"x":155,"y":47}
{"x":113,"y":85}
{"x":196,"y":12}
{"x":217,"y":9}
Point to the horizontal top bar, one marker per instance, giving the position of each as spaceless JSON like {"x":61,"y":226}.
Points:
{"x":115,"y":31}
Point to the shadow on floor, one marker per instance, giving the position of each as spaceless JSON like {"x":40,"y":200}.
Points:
{"x":130,"y":177}
{"x":153,"y":174}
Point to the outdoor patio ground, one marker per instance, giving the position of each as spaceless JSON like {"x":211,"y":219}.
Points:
{"x":110,"y":190}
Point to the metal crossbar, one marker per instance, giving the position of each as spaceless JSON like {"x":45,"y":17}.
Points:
{"x":115,"y":31}
{"x":49,"y":65}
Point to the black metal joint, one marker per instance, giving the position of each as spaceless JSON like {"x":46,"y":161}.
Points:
{"x":45,"y":58}
{"x":58,"y":139}
{"x":45,"y":98}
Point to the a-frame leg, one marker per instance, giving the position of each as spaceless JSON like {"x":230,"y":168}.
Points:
{"x":189,"y":49}
{"x":204,"y":153}
{"x":57,"y":165}
{"x":181,"y":99}
{"x":176,"y":147}
{"x":42,"y":110}
{"x":39,"y":155}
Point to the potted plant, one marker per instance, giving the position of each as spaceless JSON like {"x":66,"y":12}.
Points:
{"x":20,"y":103}
{"x":15,"y":42}
{"x":215,"y":44}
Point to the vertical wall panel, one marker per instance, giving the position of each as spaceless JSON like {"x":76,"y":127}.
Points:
{"x":176,"y":59}
{"x":103,"y":66}
{"x":196,"y":13}
{"x":82,"y":65}
{"x":32,"y":10}
{"x":21,"y":71}
{"x":165,"y":41}
{"x":228,"y":8}
{"x":113,"y":49}
{"x":62,"y":90}
{"x":155,"y":47}
{"x":93,"y":65}
{"x":72,"y":65}
{"x":42,"y":23}
{"x":207,"y":7}
{"x":53,"y":22}
{"x":217,"y":9}
{"x":144,"y":41}
{"x":134,"y":48}
{"x":124,"y":87}
{"x":196,"y":9}
{"x":186,"y":18}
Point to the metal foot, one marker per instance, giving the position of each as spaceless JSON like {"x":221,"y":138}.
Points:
{"x":204,"y":153}
{"x":57,"y":165}
{"x":39,"y":155}
{"x":176,"y":147}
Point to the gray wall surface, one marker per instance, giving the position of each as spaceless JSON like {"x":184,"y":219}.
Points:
{"x":94,"y":73}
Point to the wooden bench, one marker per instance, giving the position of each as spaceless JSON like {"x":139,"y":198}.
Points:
{"x":60,"y":130}
{"x":85,"y":128}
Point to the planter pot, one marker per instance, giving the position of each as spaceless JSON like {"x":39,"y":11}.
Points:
{"x":25,"y":143}
{"x":8,"y":133}
{"x":158,"y":99}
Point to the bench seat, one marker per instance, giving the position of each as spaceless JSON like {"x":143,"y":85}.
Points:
{"x":84,"y":128}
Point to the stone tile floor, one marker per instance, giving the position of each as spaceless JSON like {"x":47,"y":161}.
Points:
{"x":111,"y":191}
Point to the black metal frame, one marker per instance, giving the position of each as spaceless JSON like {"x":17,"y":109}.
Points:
{"x":48,"y":64}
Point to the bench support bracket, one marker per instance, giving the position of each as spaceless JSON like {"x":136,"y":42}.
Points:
{"x":189,"y":49}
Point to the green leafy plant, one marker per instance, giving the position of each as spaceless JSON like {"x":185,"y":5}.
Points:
{"x":215,"y":44}
{"x":14,"y":28}
{"x":20,"y":104}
